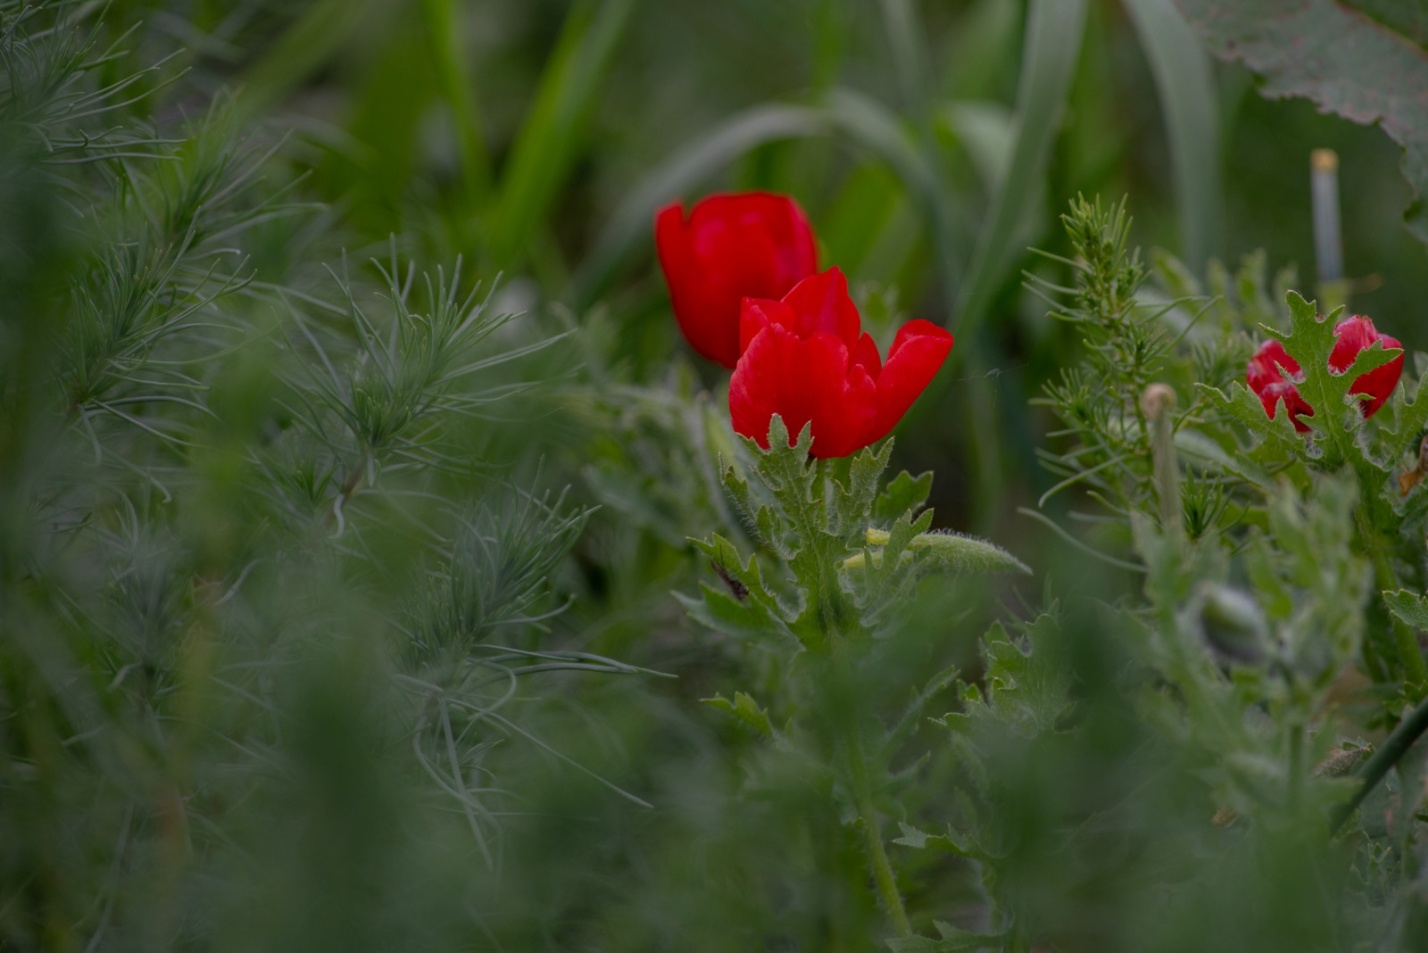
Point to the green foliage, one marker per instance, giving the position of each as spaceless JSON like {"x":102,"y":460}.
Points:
{"x":819,"y":522}
{"x":297,"y":650}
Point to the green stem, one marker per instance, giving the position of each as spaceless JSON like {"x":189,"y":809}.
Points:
{"x":1392,"y":751}
{"x":857,"y":760}
{"x":873,"y":838}
{"x":1296,"y":767}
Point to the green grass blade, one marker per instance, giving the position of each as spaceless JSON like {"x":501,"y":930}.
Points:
{"x":908,"y":54}
{"x":304,"y":49}
{"x":1186,"y":84}
{"x":1053,"y":43}
{"x":546,"y":147}
{"x":459,"y":88}
{"x":879,"y":130}
{"x":633,"y":224}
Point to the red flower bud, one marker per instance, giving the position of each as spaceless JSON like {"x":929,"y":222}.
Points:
{"x":807,"y":359}
{"x":729,"y":247}
{"x":1272,"y":373}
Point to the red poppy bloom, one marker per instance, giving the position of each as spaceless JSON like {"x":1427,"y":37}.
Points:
{"x":727,"y":248}
{"x":807,"y":359}
{"x":1266,"y":374}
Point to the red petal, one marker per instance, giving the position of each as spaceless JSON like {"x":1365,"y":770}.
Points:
{"x":915,"y":357}
{"x":729,"y":247}
{"x":1271,"y":374}
{"x":865,"y":353}
{"x":757,"y":314}
{"x":821,"y":303}
{"x":1354,"y":335}
{"x":803,"y":381}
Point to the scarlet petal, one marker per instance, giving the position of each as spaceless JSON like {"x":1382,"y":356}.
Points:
{"x":1271,"y":375}
{"x":821,"y":303}
{"x":1354,"y":335}
{"x":728,"y":247}
{"x":865,"y":353}
{"x":916,"y":355}
{"x":803,"y":381}
{"x":757,"y":314}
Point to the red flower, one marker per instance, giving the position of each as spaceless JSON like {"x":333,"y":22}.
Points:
{"x":1266,"y":377}
{"x":1266,"y":374}
{"x":806,"y":359}
{"x":729,"y":247}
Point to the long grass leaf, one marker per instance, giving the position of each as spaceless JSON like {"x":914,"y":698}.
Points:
{"x":1053,"y":43}
{"x":1186,"y":84}
{"x":306,"y":46}
{"x":458,"y":87}
{"x":634,"y":223}
{"x":546,"y":147}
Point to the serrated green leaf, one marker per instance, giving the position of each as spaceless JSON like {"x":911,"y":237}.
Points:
{"x":1243,"y":406}
{"x":905,"y":494}
{"x":1409,"y":607}
{"x":1412,"y":419}
{"x":853,"y":504}
{"x":948,"y":842}
{"x":1365,"y":70}
{"x":746,"y":710}
{"x":1024,"y":692}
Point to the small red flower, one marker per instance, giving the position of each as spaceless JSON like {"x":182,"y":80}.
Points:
{"x":1266,"y":376}
{"x":1272,"y":373}
{"x":729,"y":247}
{"x":806,"y":358}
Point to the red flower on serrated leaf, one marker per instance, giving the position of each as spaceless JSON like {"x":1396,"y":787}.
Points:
{"x":728,"y":248}
{"x":807,"y":359}
{"x":1272,"y":373}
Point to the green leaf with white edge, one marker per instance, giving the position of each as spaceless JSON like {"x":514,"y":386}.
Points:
{"x":1369,"y":69}
{"x":746,"y":710}
{"x":948,"y":843}
{"x":1410,"y":608}
{"x":904,"y":494}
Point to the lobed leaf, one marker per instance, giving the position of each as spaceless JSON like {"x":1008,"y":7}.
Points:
{"x":1364,"y":62}
{"x":746,"y":710}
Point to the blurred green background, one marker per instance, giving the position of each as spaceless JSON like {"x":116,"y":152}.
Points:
{"x":269,"y":786}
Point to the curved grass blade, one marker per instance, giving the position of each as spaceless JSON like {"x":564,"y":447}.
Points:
{"x":545,"y":150}
{"x":1053,"y":43}
{"x":1186,"y":85}
{"x":699,"y":160}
